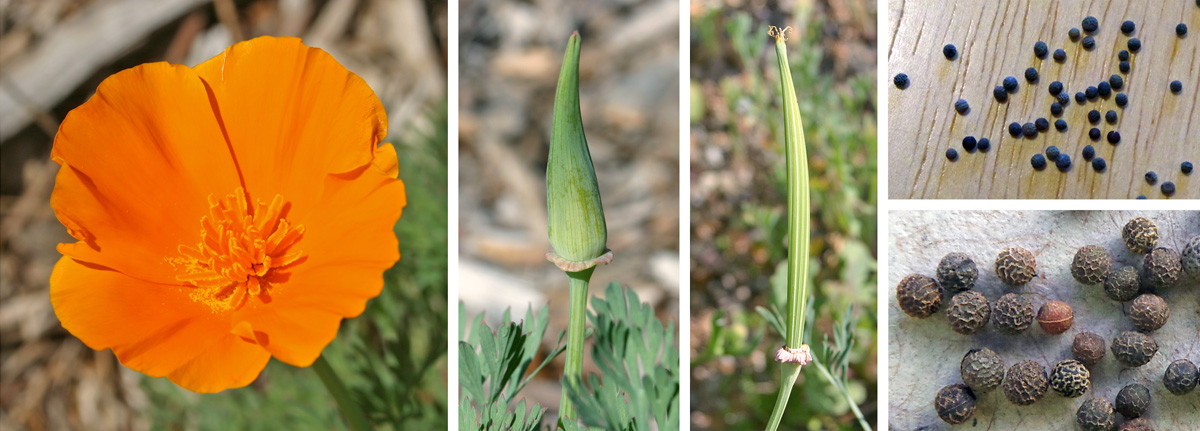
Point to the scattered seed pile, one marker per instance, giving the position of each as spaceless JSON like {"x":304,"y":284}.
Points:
{"x":1104,"y":125}
{"x":1025,"y":383}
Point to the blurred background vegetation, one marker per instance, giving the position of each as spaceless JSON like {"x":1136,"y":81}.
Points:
{"x":738,"y":222}
{"x":54,"y":53}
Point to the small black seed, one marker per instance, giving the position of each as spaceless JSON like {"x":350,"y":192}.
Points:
{"x":1141,"y":197}
{"x":1031,"y":74}
{"x":901,"y":81}
{"x":1060,"y":55}
{"x":952,"y":154}
{"x":1000,"y":95}
{"x":1135,"y":45}
{"x":1089,"y":43}
{"x":1014,"y":129}
{"x":1063,"y":162}
{"x":1176,"y":86}
{"x":1123,"y":55}
{"x":1094,"y":116}
{"x":1040,"y":49}
{"x":1080,"y":97}
{"x":1181,"y":29}
{"x":1116,"y":81}
{"x":969,"y":143}
{"x":1094,"y":134}
{"x":1185,"y":167}
{"x":1127,"y":27}
{"x":1056,"y":109}
{"x":1090,"y":24}
{"x":1060,"y":124}
{"x":1168,"y":188}
{"x":1073,"y":33}
{"x":1011,"y":85}
{"x":1092,"y":93}
{"x":1151,"y":177}
{"x":1124,"y":66}
{"x":1041,"y":124}
{"x":950,"y":52}
{"x":1038,"y":161}
{"x":1030,"y":130}
{"x":984,"y":144}
{"x":1104,"y":89}
{"x":1055,"y":88}
{"x":1052,"y":152}
{"x":1122,"y":99}
{"x":962,"y":106}
{"x":1114,"y":137}
{"x":1064,"y":99}
{"x":1089,"y":152}
{"x":1098,"y":164}
{"x":1110,"y":116}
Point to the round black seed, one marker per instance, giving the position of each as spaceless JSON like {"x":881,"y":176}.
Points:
{"x":1098,"y":164}
{"x":1089,"y":43}
{"x":1040,"y":49}
{"x":901,"y":81}
{"x":1089,"y":152}
{"x":1011,"y":85}
{"x":1114,"y":137}
{"x":1060,"y":124}
{"x":1141,"y":197}
{"x":1094,"y":134}
{"x":1122,"y":99}
{"x":1185,"y":167}
{"x":984,"y":144}
{"x":1168,"y":188}
{"x":1041,"y":124}
{"x":1038,"y":161}
{"x":951,"y":154}
{"x":1073,"y":33}
{"x":1055,"y":88}
{"x":1116,"y":82}
{"x":1014,"y":129}
{"x":1181,"y":29}
{"x":1090,"y":24}
{"x":1123,"y":55}
{"x":1030,"y":130}
{"x":1135,"y":45}
{"x":1127,"y":27}
{"x":950,"y":52}
{"x":1064,"y":99}
{"x":1063,"y":162}
{"x":1052,"y":152}
{"x":1031,"y":74}
{"x":962,"y":106}
{"x":1176,"y":86}
{"x":1080,"y":97}
{"x":969,"y":143}
{"x":1000,"y":95}
{"x":1056,"y":109}
{"x":1104,"y":89}
{"x":1091,"y":92}
{"x":1060,"y":55}
{"x":1110,"y":116}
{"x":1124,"y":66}
{"x":1151,"y":177}
{"x":1094,"y":116}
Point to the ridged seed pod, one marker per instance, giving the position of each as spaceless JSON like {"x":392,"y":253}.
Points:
{"x":1015,"y":266}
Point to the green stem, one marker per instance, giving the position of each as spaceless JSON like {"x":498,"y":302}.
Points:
{"x":862,"y":421}
{"x":789,"y":373}
{"x":578,"y":282}
{"x":350,"y":411}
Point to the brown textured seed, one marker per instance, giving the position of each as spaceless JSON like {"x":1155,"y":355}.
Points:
{"x":1070,"y":378}
{"x":1149,"y":312}
{"x":955,"y":403}
{"x":1139,"y":424}
{"x":1025,"y":383}
{"x":1091,"y":264}
{"x":982,"y":370}
{"x":1055,"y":317}
{"x":1122,"y":284}
{"x":1088,"y":348}
{"x":1096,"y":414}
{"x":1161,"y":267}
{"x":957,"y":272}
{"x":919,"y":296}
{"x":968,"y":312}
{"x":1134,"y":349}
{"x":1181,"y":377}
{"x":1190,"y":259}
{"x":1140,"y":235}
{"x":1133,"y":400}
{"x":1012,"y":314}
{"x":1015,"y":266}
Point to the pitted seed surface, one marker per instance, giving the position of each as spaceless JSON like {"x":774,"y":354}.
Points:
{"x":1070,"y":378}
{"x":982,"y":370}
{"x":1015,"y":266}
{"x":955,"y":404}
{"x":1140,"y":234}
{"x":968,"y":312}
{"x":1096,"y":414}
{"x":1122,"y":284}
{"x":1012,"y":314}
{"x":1149,"y":312}
{"x":1025,"y":383}
{"x":1133,"y":400}
{"x":1091,"y":264}
{"x":1161,"y":267}
{"x":957,"y":272}
{"x":1134,"y":349}
{"x":1088,"y":348}
{"x":919,"y":296}
{"x":1181,"y":377}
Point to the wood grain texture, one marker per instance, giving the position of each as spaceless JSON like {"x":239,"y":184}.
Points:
{"x":995,"y":39}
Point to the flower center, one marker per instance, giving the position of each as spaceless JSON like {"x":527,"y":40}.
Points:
{"x":242,"y":252}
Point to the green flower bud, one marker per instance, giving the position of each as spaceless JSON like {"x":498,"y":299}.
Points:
{"x":577,"y":229}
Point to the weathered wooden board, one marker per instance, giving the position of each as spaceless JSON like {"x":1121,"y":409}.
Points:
{"x":995,"y":39}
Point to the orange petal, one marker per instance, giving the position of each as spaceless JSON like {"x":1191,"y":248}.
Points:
{"x":349,"y":243}
{"x":152,"y":328}
{"x":229,"y":363}
{"x":293,"y":114}
{"x":139,"y":161}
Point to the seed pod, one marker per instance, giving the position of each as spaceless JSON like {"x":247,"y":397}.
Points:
{"x":1055,"y":317}
{"x":1013,"y":314}
{"x":1091,"y":264}
{"x":1161,"y":267}
{"x":955,"y":404}
{"x":1181,"y":377}
{"x":1070,"y":378}
{"x":1140,"y":234}
{"x":982,"y":370}
{"x":1122,"y":284}
{"x":1133,"y":400}
{"x":1149,"y":312}
{"x":1139,"y":424}
{"x":1134,"y":349}
{"x":1025,"y":383}
{"x":1190,"y":259}
{"x":1096,"y":414}
{"x":968,"y":312}
{"x":1088,"y":348}
{"x":919,"y":296}
{"x":1015,"y":266}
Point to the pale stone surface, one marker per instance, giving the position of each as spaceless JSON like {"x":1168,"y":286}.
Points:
{"x":924,"y":355}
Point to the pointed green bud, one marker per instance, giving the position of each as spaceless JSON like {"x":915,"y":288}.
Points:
{"x":577,"y":229}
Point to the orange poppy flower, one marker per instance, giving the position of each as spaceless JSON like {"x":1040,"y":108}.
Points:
{"x":225,"y":213}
